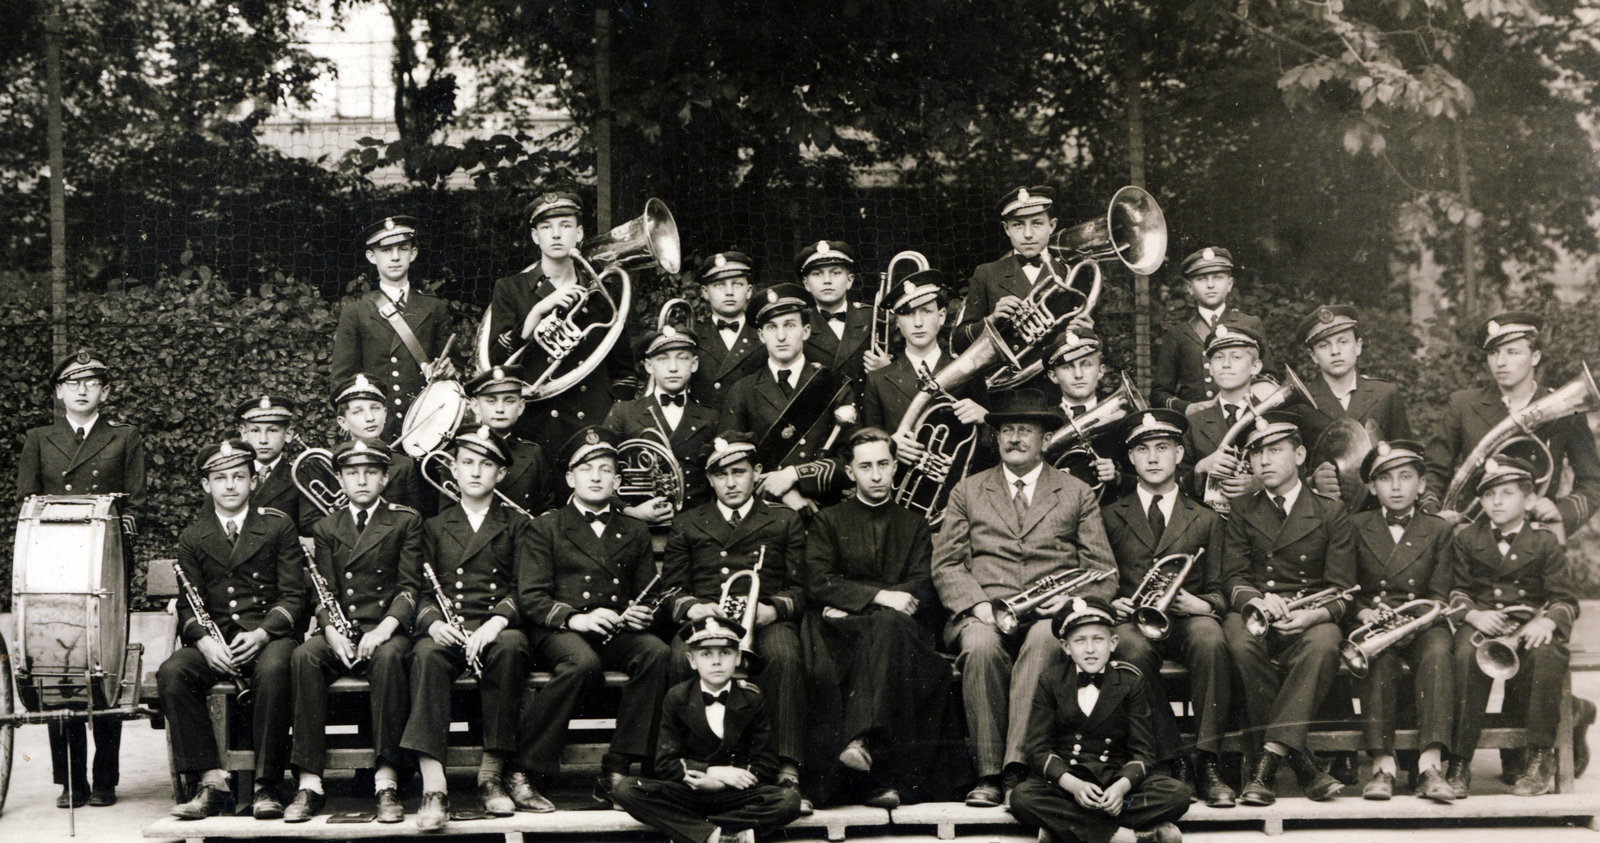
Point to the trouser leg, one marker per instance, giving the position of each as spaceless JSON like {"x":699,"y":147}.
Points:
{"x":272,"y":708}
{"x":1433,"y":677}
{"x":1546,"y":668}
{"x":1258,"y":676}
{"x":1311,"y":663}
{"x":1472,"y":694}
{"x":182,"y":682}
{"x":1146,"y":655}
{"x":783,"y":681}
{"x":312,"y":666}
{"x":1379,"y":692}
{"x":107,"y":751}
{"x":1041,"y":804}
{"x":1039,"y":650}
{"x":674,"y":808}
{"x":505,"y":678}
{"x":645,"y":658}
{"x":1203,"y":648}
{"x":390,"y":696}
{"x":69,"y":743}
{"x":575,"y":673}
{"x":1157,"y":799}
{"x":432,"y":669}
{"x":985,"y":666}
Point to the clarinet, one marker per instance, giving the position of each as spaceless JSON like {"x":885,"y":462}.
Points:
{"x":450,"y":617}
{"x":213,"y":631}
{"x":329,"y":604}
{"x":644,"y":599}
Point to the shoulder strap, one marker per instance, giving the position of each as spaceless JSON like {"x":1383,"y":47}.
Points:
{"x":388,"y":311}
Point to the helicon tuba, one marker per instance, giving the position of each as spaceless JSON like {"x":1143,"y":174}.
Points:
{"x":1264,"y":396}
{"x":1073,"y":443}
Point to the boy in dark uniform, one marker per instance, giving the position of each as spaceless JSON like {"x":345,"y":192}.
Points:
{"x":1511,"y":578}
{"x":85,"y":454}
{"x":1233,"y":357}
{"x":369,"y":555}
{"x":397,"y":330}
{"x":840,"y":328}
{"x":669,"y":415}
{"x":711,"y":543}
{"x":585,"y":564}
{"x":730,"y":349}
{"x":1180,"y":377}
{"x":1091,"y":744}
{"x":472,"y":549}
{"x":998,"y":288}
{"x":359,"y":410}
{"x":1281,"y":540}
{"x":1401,"y":556}
{"x":245,"y":563}
{"x":1332,"y":336}
{"x":267,"y":423}
{"x":1075,"y":364}
{"x":1156,"y":521}
{"x":497,"y":401}
{"x":919,"y":313}
{"x":715,"y":766}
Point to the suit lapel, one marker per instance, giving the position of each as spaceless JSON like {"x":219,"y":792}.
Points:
{"x":1045,"y":498}
{"x":251,"y":537}
{"x":735,"y":716}
{"x":1361,"y":400}
{"x":493,"y":522}
{"x":998,"y":496}
{"x":215,"y":542}
{"x":99,"y":437}
{"x":1301,"y":519}
{"x":1184,"y":511}
{"x":857,"y":328}
{"x":344,"y":528}
{"x":578,"y":530}
{"x":1111,"y":693}
{"x":1490,"y":410}
{"x":1375,"y":533}
{"x":1198,"y":327}
{"x":1128,"y":510}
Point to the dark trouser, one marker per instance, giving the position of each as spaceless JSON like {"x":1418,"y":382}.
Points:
{"x":1280,"y":702}
{"x":1433,"y":676}
{"x":434,"y":668}
{"x":1544,"y":673}
{"x":782,"y":680}
{"x":998,"y":678}
{"x":185,"y":679}
{"x":314,"y":665}
{"x":1197,"y":641}
{"x":75,"y":735}
{"x":1045,"y":805}
{"x":687,"y":815}
{"x":577,"y":670}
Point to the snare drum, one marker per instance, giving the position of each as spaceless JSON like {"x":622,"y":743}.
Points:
{"x":433,"y":417}
{"x":70,"y":598}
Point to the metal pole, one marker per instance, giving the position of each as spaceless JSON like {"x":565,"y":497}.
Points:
{"x":58,"y":193}
{"x":1141,"y":283}
{"x":602,"y":126}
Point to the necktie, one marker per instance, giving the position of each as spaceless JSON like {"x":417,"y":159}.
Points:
{"x":361,"y":521}
{"x":1158,"y":522}
{"x":726,"y":326}
{"x":1277,"y":503}
{"x":783,"y":382}
{"x":1020,"y":499}
{"x":1033,"y":261}
{"x":837,"y":315}
{"x":1401,"y":521}
{"x":1078,"y":409}
{"x":231,"y":528}
{"x":80,"y":434}
{"x":1211,"y":323}
{"x":721,"y":697}
{"x":670,"y":400}
{"x":1230,"y":414}
{"x":734,"y":518}
{"x":592,"y":517}
{"x":1087,"y":679}
{"x":400,"y":303}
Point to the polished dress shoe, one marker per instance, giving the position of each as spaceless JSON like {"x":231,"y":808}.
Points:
{"x":434,"y":814}
{"x":390,"y":810}
{"x":1211,"y":785}
{"x":102,"y":797}
{"x":496,"y":802}
{"x":304,"y":806}
{"x":208,"y":801}
{"x":603,"y":787}
{"x":1258,"y":789}
{"x":1343,"y":768}
{"x":856,"y":756}
{"x":1159,"y":833}
{"x":77,"y":799}
{"x":987,"y":793}
{"x":1583,"y":713}
{"x":1315,"y":781}
{"x":1183,"y":771}
{"x":1014,"y":775}
{"x":527,"y":797}
{"x":1432,"y":785}
{"x":1458,"y":774}
{"x":1380,"y":787}
{"x":1538,"y":774}
{"x":265,"y":805}
{"x":886,"y":798}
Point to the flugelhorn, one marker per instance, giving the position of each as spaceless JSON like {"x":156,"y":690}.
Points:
{"x":743,"y":607}
{"x":1497,"y":657}
{"x":443,"y":464}
{"x":1009,"y":612}
{"x":1073,"y":443}
{"x":1578,"y":396}
{"x":947,"y":446}
{"x":1264,"y":396}
{"x":1258,"y":624}
{"x":1156,"y":592}
{"x":313,"y":474}
{"x":1367,"y":641}
{"x":882,"y":311}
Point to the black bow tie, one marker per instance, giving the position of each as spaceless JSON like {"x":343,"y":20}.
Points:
{"x":837,"y":315}
{"x":1401,"y":521}
{"x":1087,"y":679}
{"x":592,"y":517}
{"x":726,"y":326}
{"x":669,"y":400}
{"x":1502,"y":537}
{"x":715,"y":698}
{"x":1036,"y":260}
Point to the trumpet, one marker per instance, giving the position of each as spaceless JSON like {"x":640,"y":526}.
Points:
{"x":1366,"y":642}
{"x":1009,"y":612}
{"x":882,"y":314}
{"x":214,"y":632}
{"x":1275,"y":397}
{"x":330,"y":604}
{"x":450,"y":617}
{"x":1156,"y":592}
{"x":645,"y":599}
{"x":744,"y":606}
{"x":1073,"y":443}
{"x":1258,"y":624}
{"x":443,"y":464}
{"x":1497,"y":657}
{"x":313,"y":474}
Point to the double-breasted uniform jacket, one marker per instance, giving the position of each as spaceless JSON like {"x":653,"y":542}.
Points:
{"x":721,"y":367}
{"x":990,"y":283}
{"x":568,"y":570}
{"x":364,"y":341}
{"x":1473,"y":412}
{"x":1390,"y":573}
{"x":110,"y":460}
{"x":276,"y":490}
{"x":704,"y":550}
{"x":982,"y":553}
{"x":1533,"y":573}
{"x":642,"y":418}
{"x":1309,"y":550}
{"x":1192,"y":528}
{"x":1180,"y":376}
{"x":476,"y":569}
{"x":1377,"y":404}
{"x":1115,"y":740}
{"x":529,"y":480}
{"x":841,"y":353}
{"x":374,"y":574}
{"x":686,"y":741}
{"x":755,"y":405}
{"x":254,"y":582}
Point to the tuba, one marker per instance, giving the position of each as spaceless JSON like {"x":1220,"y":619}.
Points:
{"x":1258,"y":624}
{"x":1073,"y":444}
{"x":1516,"y":429}
{"x":1497,"y":657}
{"x":438,"y":467}
{"x":1274,"y":397}
{"x":1365,"y":642}
{"x":313,"y":474}
{"x":1156,"y":592}
{"x":743,"y":607}
{"x":882,"y":313}
{"x":647,"y":469}
{"x":1009,"y":612}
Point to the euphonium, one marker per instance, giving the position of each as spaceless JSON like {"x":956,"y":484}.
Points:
{"x":882,"y":312}
{"x":1073,"y":442}
{"x":313,"y":474}
{"x":1156,"y":592}
{"x":1258,"y":624}
{"x":445,"y":481}
{"x":1009,"y":612}
{"x":744,"y":607}
{"x":1392,"y":626}
{"x":1274,"y":397}
{"x":1497,"y":657}
{"x":647,"y":469}
{"x":947,"y":446}
{"x":1578,"y":396}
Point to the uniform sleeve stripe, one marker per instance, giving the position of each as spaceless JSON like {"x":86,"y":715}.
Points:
{"x":284,"y":611}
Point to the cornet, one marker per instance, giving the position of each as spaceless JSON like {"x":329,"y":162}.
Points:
{"x":1258,"y":624}
{"x":1497,"y":657}
{"x":1156,"y":592}
{"x":1366,"y":642}
{"x":1009,"y":612}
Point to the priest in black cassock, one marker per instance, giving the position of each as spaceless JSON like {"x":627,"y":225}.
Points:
{"x":882,"y":724}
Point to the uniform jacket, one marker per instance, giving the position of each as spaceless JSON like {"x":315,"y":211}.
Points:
{"x":254,"y":583}
{"x":405,"y":485}
{"x":887,"y":393}
{"x":365,"y":342}
{"x":980,"y":553}
{"x":848,"y":566}
{"x":276,"y":489}
{"x":990,"y":283}
{"x":695,"y":430}
{"x":687,"y":743}
{"x":722,"y":367}
{"x":841,"y":353}
{"x":1207,"y":428}
{"x":1116,"y":740}
{"x":375,"y":574}
{"x":529,"y":481}
{"x":756,"y":403}
{"x":1191,"y":528}
{"x":568,"y":570}
{"x":478,"y":570}
{"x":1416,"y":568}
{"x":1375,"y":401}
{"x":1534,"y":573}
{"x":1311,"y":549}
{"x":704,"y":550}
{"x":110,"y":460}
{"x":1180,"y":377}
{"x":1473,"y":412}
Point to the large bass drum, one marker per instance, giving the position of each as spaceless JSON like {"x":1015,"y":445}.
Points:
{"x":70,"y":599}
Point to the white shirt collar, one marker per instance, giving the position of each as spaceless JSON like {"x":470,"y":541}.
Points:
{"x":1087,"y":404}
{"x":794,"y":368}
{"x":395,"y":291}
{"x":88,"y":426}
{"x":356,"y":511}
{"x":1212,"y":316}
{"x":265,"y":468}
{"x":1029,"y":480}
{"x":744,"y":511}
{"x":1168,"y":499}
{"x":237,"y":519}
{"x":1290,"y":496}
{"x":931,"y":361}
{"x":715,"y":691}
